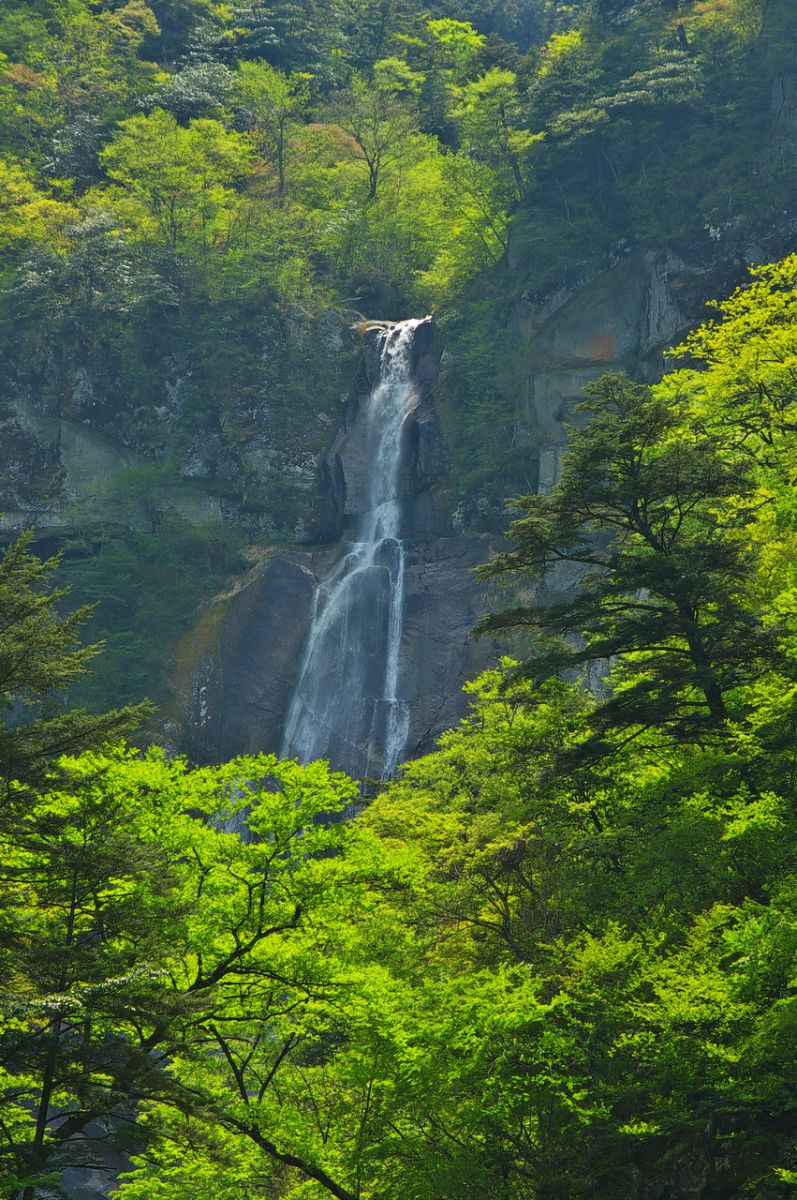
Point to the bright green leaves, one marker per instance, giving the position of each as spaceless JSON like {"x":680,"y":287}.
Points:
{"x":27,"y":214}
{"x":613,"y":979}
{"x":634,"y":854}
{"x":396,"y":76}
{"x":713,"y":19}
{"x":272,"y":152}
{"x":744,"y":398}
{"x":71,"y":68}
{"x":180,"y":179}
{"x":272,"y":104}
{"x":492,"y":126}
{"x":137,"y":925}
{"x":558,"y":49}
{"x":379,"y":125}
{"x":457,"y":46}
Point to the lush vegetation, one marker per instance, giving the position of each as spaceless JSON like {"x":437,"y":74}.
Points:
{"x":652,"y":128}
{"x":555,"y":959}
{"x":256,"y":150}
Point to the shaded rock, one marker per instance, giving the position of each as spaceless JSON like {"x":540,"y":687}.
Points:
{"x":443,"y":601}
{"x":244,"y":664}
{"x":242,"y":683}
{"x":663,"y":319}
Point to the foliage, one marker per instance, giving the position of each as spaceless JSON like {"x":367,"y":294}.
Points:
{"x":286,"y":150}
{"x":378,"y":125}
{"x":490,"y":124}
{"x":273,"y":103}
{"x":180,"y":177}
{"x":138,"y":929}
{"x":599,"y":931}
{"x":27,"y":214}
{"x":556,"y":958}
{"x":41,"y":657}
{"x":640,"y":510}
{"x":632,"y":129}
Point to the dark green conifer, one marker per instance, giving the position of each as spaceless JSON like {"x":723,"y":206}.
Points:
{"x":639,"y":510}
{"x":41,"y":657}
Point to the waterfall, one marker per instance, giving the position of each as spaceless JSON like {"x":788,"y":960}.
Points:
{"x":347,"y":705}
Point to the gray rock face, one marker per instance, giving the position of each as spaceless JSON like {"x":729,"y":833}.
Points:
{"x":243,"y":680}
{"x":242,"y":684}
{"x":74,"y":435}
{"x":572,"y":337}
{"x":443,"y":601}
{"x":242,"y":688}
{"x":620,"y":318}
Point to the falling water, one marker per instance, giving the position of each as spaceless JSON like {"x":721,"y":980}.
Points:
{"x":347,"y":702}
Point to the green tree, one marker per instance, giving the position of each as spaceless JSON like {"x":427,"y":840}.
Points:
{"x":489,"y":117}
{"x":138,"y":930}
{"x":595,"y":1009}
{"x":456,"y":47}
{"x":380,"y":127}
{"x":179,"y":180}
{"x":95,"y":61}
{"x":743,"y":379}
{"x":28,"y":215}
{"x":446,"y":52}
{"x":41,"y":659}
{"x":397,"y":76}
{"x":473,"y":218}
{"x":272,"y":105}
{"x":639,"y":510}
{"x":198,"y":90}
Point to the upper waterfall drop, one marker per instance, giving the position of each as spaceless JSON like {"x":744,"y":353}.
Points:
{"x":347,"y":705}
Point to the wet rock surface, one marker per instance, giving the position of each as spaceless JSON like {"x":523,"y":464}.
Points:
{"x":242,"y":682}
{"x":241,"y":690}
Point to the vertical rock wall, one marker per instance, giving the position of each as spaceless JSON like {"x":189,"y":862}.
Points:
{"x":240,"y":688}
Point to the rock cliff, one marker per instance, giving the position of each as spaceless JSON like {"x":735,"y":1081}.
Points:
{"x":241,"y":682}
{"x":303,"y":479}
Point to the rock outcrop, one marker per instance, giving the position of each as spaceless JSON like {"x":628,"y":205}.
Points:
{"x":238,"y":667}
{"x":79,"y":441}
{"x":618,"y":318}
{"x":241,"y":686}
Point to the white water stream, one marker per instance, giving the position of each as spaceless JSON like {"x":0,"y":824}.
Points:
{"x":347,"y":705}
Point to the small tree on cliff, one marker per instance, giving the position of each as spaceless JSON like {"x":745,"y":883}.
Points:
{"x":642,"y":508}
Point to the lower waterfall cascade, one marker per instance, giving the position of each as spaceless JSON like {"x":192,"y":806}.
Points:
{"x":347,"y":704}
